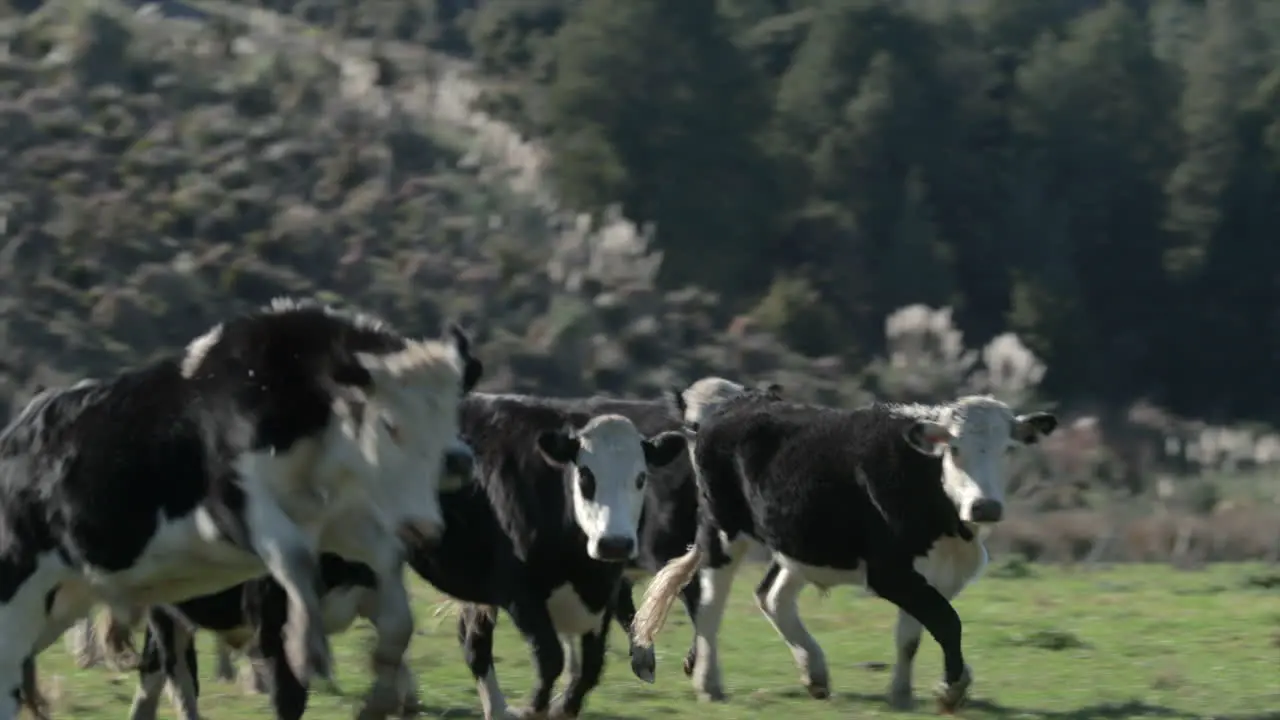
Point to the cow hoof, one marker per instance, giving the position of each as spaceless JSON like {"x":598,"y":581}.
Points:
{"x":818,"y":691}
{"x":559,"y":712}
{"x":713,"y":695}
{"x":525,"y":713}
{"x":644,"y":664}
{"x":412,"y":706}
{"x":951,"y":696}
{"x":689,"y":663}
{"x":902,"y":698}
{"x":307,"y":653}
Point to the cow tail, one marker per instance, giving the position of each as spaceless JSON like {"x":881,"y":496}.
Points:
{"x":114,"y":637}
{"x":661,"y":594}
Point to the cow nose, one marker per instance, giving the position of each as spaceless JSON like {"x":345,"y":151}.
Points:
{"x":986,"y":511}
{"x":615,"y":549}
{"x":459,"y":462}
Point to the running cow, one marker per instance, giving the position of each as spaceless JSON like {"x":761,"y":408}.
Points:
{"x":895,"y":497}
{"x":276,"y":435}
{"x":669,"y":520}
{"x":544,"y":534}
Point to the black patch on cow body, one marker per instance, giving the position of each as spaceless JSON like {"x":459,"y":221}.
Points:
{"x":787,"y":475}
{"x":90,"y":470}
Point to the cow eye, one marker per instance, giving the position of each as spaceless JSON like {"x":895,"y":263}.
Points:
{"x":955,"y":453}
{"x":640,"y":480}
{"x":586,"y":483}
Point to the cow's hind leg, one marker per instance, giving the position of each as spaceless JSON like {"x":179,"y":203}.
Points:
{"x":226,"y":669}
{"x":151,"y":672}
{"x":901,"y":585}
{"x":82,"y":645}
{"x":777,"y":596}
{"x":691,"y":596}
{"x":475,"y":635}
{"x":716,"y":584}
{"x":293,"y":562}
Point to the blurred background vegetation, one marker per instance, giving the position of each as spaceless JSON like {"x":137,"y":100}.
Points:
{"x":1068,"y":203}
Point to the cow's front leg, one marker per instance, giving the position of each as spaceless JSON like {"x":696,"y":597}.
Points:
{"x":475,"y":635}
{"x":288,"y":693}
{"x":900,"y":584}
{"x":644,"y":661}
{"x":393,"y":623}
{"x":584,"y":673}
{"x":291,"y":558}
{"x":225,"y":669}
{"x":534,"y":622}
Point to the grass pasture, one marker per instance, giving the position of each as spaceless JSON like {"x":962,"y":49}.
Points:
{"x":1125,"y":642}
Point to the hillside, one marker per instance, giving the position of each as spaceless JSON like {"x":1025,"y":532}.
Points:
{"x":162,"y":173}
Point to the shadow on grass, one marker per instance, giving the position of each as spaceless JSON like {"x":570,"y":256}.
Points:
{"x":990,"y":708}
{"x":441,"y":711}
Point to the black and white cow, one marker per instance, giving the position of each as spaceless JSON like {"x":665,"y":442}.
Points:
{"x":544,"y":533}
{"x":280,"y":433}
{"x":895,"y":497}
{"x":238,"y":616}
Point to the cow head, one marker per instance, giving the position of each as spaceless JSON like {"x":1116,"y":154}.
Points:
{"x":972,"y":436}
{"x":693,"y":405}
{"x":410,"y":434}
{"x":608,"y":462}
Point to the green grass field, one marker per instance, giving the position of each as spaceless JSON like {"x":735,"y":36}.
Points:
{"x":1126,"y":642}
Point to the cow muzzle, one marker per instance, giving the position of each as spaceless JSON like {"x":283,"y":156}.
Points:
{"x":459,"y":461}
{"x":986,"y":511}
{"x":615,"y":548}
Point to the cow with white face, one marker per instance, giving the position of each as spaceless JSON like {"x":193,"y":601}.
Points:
{"x":973,"y":436}
{"x":281,"y":433}
{"x":915,"y":485}
{"x":544,"y":533}
{"x":606,"y":471}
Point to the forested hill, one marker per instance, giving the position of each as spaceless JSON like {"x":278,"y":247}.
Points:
{"x":1100,"y":178}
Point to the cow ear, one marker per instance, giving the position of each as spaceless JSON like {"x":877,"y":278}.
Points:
{"x":676,"y":407}
{"x":472,"y":369}
{"x":660,"y":450}
{"x":928,"y":437}
{"x":1028,"y":429}
{"x":558,"y":447}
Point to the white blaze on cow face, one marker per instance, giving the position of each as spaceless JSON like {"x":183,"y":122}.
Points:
{"x":407,"y":432}
{"x":608,"y":463}
{"x":972,"y":436}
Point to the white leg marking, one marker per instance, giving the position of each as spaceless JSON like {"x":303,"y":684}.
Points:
{"x":716,"y":585}
{"x":291,"y":559}
{"x":572,"y":645}
{"x":146,"y":698}
{"x":779,"y":605}
{"x":492,"y":701}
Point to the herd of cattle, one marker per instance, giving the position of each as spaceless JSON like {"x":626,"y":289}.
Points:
{"x":270,"y":482}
